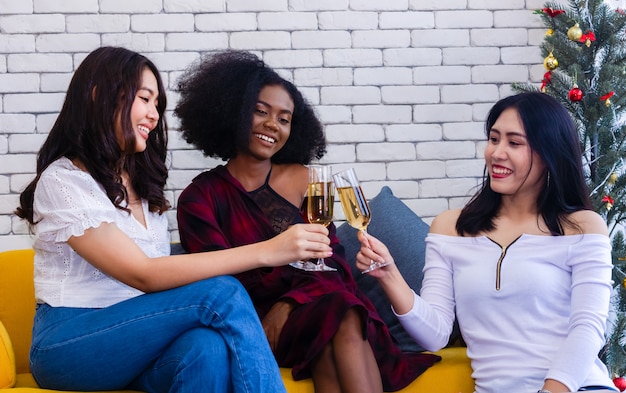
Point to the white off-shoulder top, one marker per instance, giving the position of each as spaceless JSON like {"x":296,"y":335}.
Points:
{"x":536,"y":309}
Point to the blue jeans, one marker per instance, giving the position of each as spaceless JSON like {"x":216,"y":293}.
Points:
{"x":202,"y":337}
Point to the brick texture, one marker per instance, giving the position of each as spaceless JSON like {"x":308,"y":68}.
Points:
{"x":402,"y":86}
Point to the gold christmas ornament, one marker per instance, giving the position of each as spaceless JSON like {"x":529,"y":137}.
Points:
{"x":612,"y":178}
{"x":549,"y":32}
{"x":574,"y":33}
{"x":550,"y":62}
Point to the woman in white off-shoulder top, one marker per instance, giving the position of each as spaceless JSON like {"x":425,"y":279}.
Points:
{"x":114,"y":309}
{"x":525,"y":266}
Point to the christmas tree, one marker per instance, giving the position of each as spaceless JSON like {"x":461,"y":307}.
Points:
{"x":584,"y":51}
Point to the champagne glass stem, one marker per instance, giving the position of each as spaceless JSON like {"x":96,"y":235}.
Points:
{"x":373,"y":264}
{"x":322,"y":267}
{"x":364,"y":232}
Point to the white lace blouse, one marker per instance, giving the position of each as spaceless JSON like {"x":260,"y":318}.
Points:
{"x":68,"y":201}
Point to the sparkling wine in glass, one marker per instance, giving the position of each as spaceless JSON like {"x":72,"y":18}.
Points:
{"x":354,"y":205}
{"x":320,"y":201}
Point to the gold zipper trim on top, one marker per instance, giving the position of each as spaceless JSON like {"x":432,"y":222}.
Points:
{"x":499,"y":264}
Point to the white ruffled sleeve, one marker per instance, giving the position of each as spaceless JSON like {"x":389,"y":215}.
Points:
{"x":68,"y":201}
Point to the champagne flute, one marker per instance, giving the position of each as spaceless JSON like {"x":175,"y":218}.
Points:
{"x":355,"y":206}
{"x":320,"y":201}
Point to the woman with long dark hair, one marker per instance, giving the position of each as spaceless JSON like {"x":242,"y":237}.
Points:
{"x":526,"y":264}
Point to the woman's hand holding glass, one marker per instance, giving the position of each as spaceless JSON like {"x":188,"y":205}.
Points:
{"x":355,"y":206}
{"x":298,"y":242}
{"x":320,"y":202}
{"x":373,"y":251}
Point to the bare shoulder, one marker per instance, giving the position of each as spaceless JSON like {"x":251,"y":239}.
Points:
{"x":587,"y":221}
{"x":299,"y":170}
{"x":445,"y":223}
{"x":289,"y":172}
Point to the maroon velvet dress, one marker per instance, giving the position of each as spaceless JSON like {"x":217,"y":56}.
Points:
{"x":215,"y":212}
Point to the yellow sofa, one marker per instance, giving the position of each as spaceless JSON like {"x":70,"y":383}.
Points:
{"x":17,"y":306}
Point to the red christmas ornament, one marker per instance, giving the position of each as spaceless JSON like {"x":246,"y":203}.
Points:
{"x":607,"y":98}
{"x":588,"y":38}
{"x":575,"y":94}
{"x":609,"y":202}
{"x":550,"y":12}
{"x":547,"y":78}
{"x":620,"y":383}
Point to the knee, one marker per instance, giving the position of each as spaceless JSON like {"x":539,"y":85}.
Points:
{"x":224,"y":296}
{"x":223,"y":289}
{"x":351,"y":327}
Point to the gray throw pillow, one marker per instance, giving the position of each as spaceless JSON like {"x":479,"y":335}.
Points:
{"x":403,"y":232}
{"x":176,"y":249}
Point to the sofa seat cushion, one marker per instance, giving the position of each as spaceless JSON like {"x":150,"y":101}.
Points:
{"x":453,"y":371}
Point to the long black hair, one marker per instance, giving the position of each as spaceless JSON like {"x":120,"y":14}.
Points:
{"x":218,"y":95}
{"x":551,"y":133}
{"x":102,"y":89}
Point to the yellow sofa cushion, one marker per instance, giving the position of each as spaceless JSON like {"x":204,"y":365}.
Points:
{"x":452,"y":374}
{"x":7,"y":360}
{"x":17,"y":302}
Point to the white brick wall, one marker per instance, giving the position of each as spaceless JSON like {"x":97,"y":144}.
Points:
{"x":402,"y":86}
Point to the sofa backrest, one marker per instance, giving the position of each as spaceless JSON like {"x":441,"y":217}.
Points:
{"x":17,"y":302}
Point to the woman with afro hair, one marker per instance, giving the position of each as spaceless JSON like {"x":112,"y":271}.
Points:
{"x":233,"y":106}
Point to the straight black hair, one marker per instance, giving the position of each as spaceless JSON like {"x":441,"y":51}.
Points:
{"x":551,"y":133}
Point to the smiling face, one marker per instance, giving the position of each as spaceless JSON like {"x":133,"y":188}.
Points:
{"x":144,"y":114}
{"x":513,"y":166}
{"x":271,"y":122}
